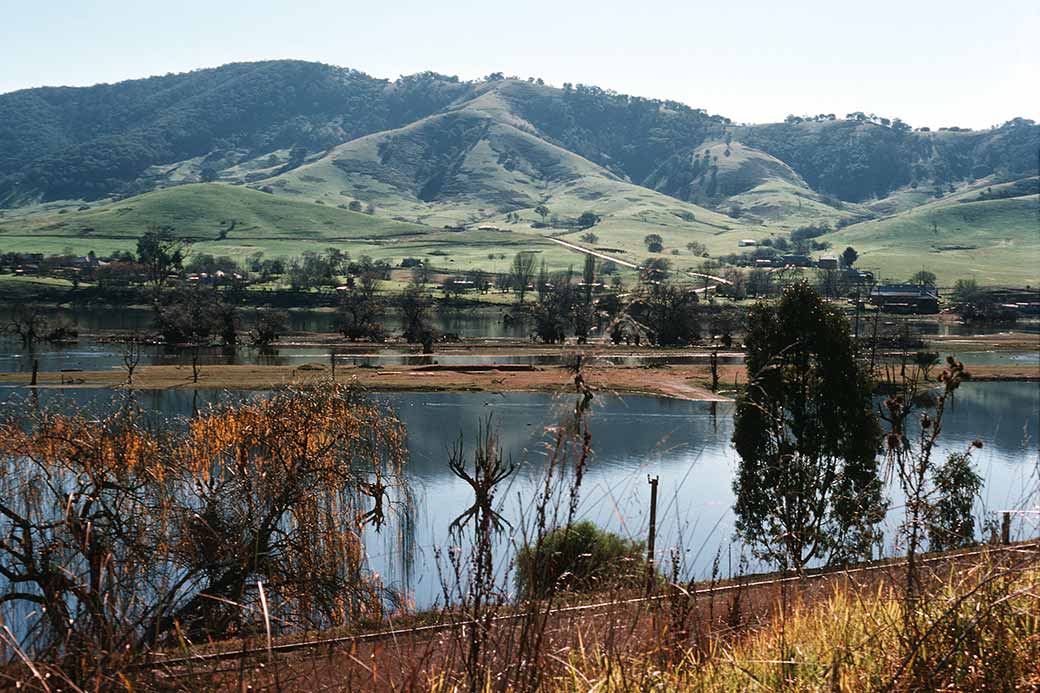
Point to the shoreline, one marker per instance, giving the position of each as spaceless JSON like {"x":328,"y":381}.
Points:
{"x":683,"y":382}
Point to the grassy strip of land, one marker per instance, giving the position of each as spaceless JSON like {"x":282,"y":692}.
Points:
{"x":688,"y":382}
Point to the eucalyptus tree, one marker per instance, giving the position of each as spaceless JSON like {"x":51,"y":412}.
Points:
{"x":808,"y":486}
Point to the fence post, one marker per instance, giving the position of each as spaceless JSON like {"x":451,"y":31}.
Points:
{"x":650,"y":571}
{"x":1005,"y":528}
{"x":36,"y":367}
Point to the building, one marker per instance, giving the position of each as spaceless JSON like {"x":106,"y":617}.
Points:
{"x":1023,"y":301}
{"x":747,"y":243}
{"x":906,"y":299}
{"x":828,"y":263}
{"x":797,"y":261}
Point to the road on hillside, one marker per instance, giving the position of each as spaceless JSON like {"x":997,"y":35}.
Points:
{"x":626,"y":263}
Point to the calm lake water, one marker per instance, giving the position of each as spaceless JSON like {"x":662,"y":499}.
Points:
{"x":686,"y":444}
{"x":89,"y":354}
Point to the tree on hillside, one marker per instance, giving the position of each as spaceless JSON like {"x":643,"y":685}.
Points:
{"x":924,"y":279}
{"x":808,"y":486}
{"x":654,"y":242}
{"x":521,"y":273}
{"x":160,"y":253}
{"x":697,"y":248}
{"x":587,"y":220}
{"x":542,"y":211}
{"x":849,"y":256}
{"x":654,"y":269}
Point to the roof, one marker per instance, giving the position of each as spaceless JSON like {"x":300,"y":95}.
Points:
{"x":905,"y":290}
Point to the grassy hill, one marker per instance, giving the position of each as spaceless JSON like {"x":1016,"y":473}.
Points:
{"x":237,"y":221}
{"x":288,"y":149}
{"x":997,"y":241}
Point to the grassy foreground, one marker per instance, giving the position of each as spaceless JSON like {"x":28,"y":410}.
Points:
{"x":975,"y":627}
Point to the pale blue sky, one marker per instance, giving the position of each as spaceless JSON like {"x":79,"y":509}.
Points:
{"x":971,"y":64}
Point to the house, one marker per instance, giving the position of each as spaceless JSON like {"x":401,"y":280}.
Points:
{"x":747,"y":243}
{"x":1023,"y":301}
{"x":796,"y":260}
{"x":487,"y":227}
{"x":828,"y":263}
{"x":906,"y":298}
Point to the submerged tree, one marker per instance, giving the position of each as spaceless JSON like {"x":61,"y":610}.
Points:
{"x":415,"y":306}
{"x":808,"y":486}
{"x":360,"y":311}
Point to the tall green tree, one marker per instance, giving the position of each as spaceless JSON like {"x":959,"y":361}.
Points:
{"x":808,"y":487}
{"x":520,"y":273}
{"x":923,"y":278}
{"x":160,"y":253}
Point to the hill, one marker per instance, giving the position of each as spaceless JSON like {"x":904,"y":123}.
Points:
{"x":317,"y":144}
{"x":978,"y":233}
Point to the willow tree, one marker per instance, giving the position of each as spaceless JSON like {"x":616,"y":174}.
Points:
{"x":808,"y":487}
{"x":122,"y":537}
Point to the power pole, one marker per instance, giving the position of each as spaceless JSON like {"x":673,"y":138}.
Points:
{"x":650,"y":570}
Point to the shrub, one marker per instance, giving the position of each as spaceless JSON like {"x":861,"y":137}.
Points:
{"x":580,"y":558}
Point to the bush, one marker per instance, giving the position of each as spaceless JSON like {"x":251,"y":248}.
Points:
{"x":580,"y":558}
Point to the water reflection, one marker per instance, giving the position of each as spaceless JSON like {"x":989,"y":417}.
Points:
{"x":686,"y":444}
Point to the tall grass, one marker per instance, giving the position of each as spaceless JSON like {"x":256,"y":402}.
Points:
{"x":981,"y":625}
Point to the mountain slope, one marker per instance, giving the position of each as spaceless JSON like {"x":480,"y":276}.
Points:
{"x":986,"y":235}
{"x":209,"y":211}
{"x":434,"y":151}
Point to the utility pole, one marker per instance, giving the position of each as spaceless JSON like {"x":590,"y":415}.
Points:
{"x":650,"y":571}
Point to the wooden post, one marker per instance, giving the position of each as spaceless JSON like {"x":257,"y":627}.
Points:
{"x":650,"y":571}
{"x":36,"y":367}
{"x":1005,"y":528}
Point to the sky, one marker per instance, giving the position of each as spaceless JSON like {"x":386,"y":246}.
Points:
{"x":930,"y":63}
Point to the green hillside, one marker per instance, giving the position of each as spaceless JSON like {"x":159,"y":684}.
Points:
{"x":210,"y":212}
{"x":236,"y":221}
{"x":996,"y":241}
{"x":283,"y":156}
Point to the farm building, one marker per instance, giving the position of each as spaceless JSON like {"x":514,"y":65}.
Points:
{"x":905,"y":298}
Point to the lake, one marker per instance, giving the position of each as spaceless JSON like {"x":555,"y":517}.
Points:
{"x":685,"y":443}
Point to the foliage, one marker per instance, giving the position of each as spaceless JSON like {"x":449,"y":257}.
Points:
{"x":668,"y":313}
{"x":654,"y":243}
{"x":924,"y":279}
{"x":849,"y":256}
{"x":268,"y":326}
{"x":856,"y":159}
{"x":360,"y":311}
{"x":160,"y":253}
{"x":808,"y":486}
{"x":125,"y":538}
{"x":414,"y":306}
{"x":587,"y":220}
{"x":520,"y":274}
{"x":951,"y":524}
{"x":194,"y":316}
{"x":580,"y":558}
